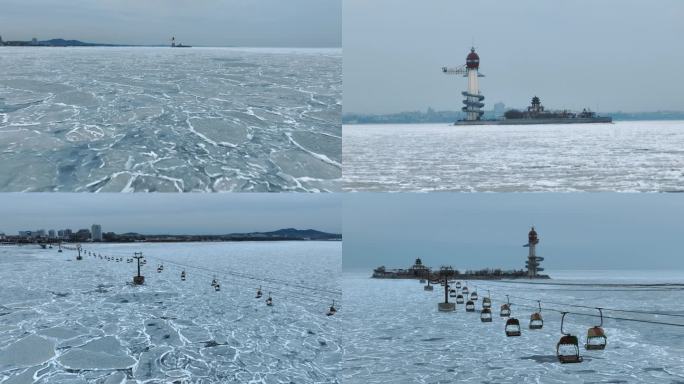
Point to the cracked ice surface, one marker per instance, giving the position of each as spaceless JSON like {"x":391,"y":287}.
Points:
{"x":393,"y":333}
{"x":161,"y":119}
{"x":643,"y":156}
{"x":68,"y":321}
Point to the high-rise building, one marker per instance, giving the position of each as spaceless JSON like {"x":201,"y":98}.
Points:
{"x":96,"y":231}
{"x":51,"y":233}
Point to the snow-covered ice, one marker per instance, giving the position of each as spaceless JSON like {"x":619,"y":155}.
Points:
{"x":161,"y":119}
{"x":393,"y":332}
{"x":624,"y":156}
{"x":69,"y":321}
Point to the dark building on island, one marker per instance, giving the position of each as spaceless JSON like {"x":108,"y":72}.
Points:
{"x":418,"y":270}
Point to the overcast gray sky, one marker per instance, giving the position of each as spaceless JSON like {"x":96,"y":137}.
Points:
{"x":606,"y":54}
{"x":187,"y":213}
{"x":577,"y":230}
{"x":272,"y":23}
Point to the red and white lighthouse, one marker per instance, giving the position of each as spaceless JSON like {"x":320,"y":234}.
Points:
{"x":533,"y":260}
{"x":473,"y":99}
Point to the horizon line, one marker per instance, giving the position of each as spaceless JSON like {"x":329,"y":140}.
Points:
{"x":457,"y":111}
{"x":114,"y":45}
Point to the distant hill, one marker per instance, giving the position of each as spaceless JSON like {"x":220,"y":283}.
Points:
{"x":71,"y":43}
{"x":57,"y":43}
{"x":286,"y":234}
{"x":311,"y":234}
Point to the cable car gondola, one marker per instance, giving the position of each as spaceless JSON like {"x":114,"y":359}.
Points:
{"x":470,"y":306}
{"x":160,"y":268}
{"x":486,"y":315}
{"x":505,"y":309}
{"x":486,"y":301}
{"x":473,"y":296}
{"x":214,"y":282}
{"x":464,"y":290}
{"x":512,"y":327}
{"x":596,"y":336}
{"x":332,"y":309}
{"x":536,"y":320}
{"x":269,"y":301}
{"x":183,"y":276}
{"x":567,"y":348}
{"x":258,"y":294}
{"x":458,"y":285}
{"x":452,"y":293}
{"x":459,"y":299}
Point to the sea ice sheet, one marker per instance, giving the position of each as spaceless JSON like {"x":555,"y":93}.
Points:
{"x":394,"y":333}
{"x":644,"y":156}
{"x":161,"y":119}
{"x":69,"y":321}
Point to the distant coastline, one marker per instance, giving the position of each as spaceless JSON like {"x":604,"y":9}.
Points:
{"x":436,"y":117}
{"x":287,"y":234}
{"x":61,"y":43}
{"x":56,"y":43}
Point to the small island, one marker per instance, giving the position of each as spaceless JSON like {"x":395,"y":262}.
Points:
{"x":421,"y":271}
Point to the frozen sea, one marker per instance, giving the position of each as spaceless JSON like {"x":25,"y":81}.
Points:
{"x":69,"y":321}
{"x":643,"y":156}
{"x":394,"y":333}
{"x":161,"y":119}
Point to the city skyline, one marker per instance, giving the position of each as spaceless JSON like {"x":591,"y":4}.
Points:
{"x":97,"y":234}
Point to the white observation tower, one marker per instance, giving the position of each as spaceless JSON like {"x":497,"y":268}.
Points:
{"x":473,"y":98}
{"x":533,"y":260}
